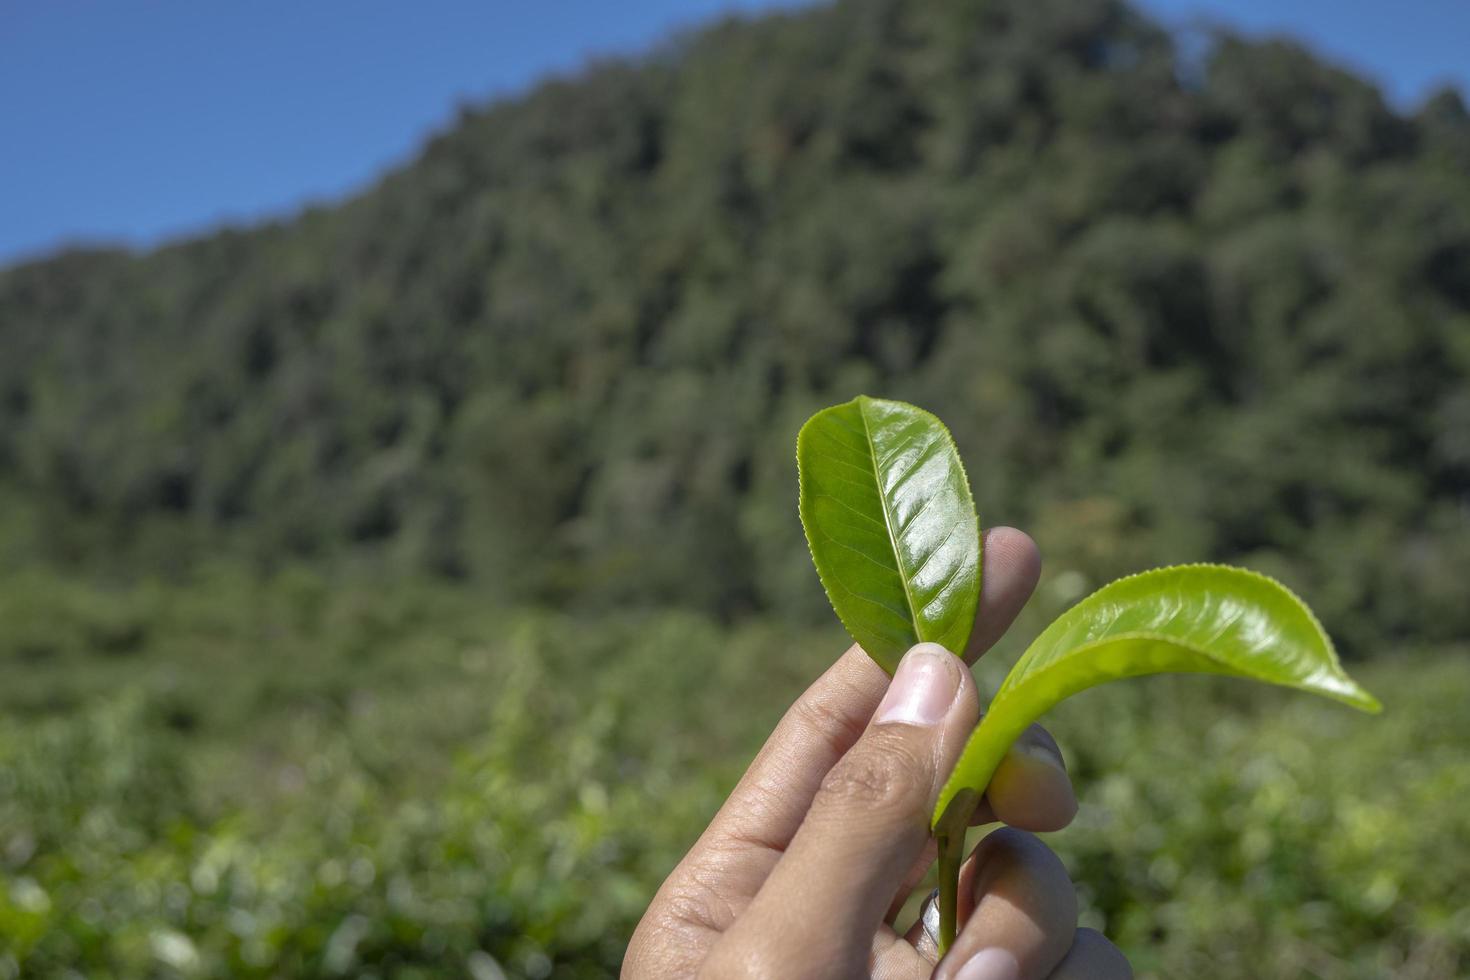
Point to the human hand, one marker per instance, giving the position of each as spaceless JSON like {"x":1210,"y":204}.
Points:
{"x":807,"y":865}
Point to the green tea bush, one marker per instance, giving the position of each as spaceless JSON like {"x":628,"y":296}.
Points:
{"x":1283,"y":840}
{"x":534,"y":851}
{"x":495,"y":794}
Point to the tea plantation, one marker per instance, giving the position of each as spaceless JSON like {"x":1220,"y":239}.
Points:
{"x":279,"y":778}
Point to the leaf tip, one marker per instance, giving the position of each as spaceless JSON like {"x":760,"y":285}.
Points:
{"x":1358,"y":697}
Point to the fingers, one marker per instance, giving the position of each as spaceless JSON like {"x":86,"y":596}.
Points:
{"x":1092,"y":957}
{"x":1019,"y":910}
{"x":1013,"y":926}
{"x":1012,"y":568}
{"x":748,"y":835}
{"x":1030,"y":789}
{"x":819,"y":909}
{"x":772,"y":798}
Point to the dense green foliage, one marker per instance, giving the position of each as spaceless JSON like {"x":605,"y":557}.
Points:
{"x":399,"y":808}
{"x":1171,"y":307}
{"x":279,"y":507}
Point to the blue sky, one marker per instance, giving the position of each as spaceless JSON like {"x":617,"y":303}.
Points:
{"x":137,"y":122}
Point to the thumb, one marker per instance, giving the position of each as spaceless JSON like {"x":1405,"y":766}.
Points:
{"x":866,"y":827}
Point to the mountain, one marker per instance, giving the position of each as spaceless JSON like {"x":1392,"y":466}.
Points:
{"x":1173,"y":304}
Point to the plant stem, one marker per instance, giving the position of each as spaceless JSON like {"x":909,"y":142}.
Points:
{"x":950,"y":833}
{"x":951,"y":852}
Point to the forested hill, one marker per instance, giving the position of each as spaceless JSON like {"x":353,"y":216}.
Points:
{"x":1172,"y":308}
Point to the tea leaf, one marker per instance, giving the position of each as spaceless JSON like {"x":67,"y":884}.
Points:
{"x":1209,"y":619}
{"x":891,"y":525}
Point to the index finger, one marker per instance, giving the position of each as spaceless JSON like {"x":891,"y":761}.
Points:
{"x":742,"y":844}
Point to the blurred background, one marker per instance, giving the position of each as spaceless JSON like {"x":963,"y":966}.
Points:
{"x":399,"y":556}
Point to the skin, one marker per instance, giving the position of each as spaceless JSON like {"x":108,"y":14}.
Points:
{"x":803,"y":871}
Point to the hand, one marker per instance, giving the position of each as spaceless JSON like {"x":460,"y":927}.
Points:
{"x":806,"y":866}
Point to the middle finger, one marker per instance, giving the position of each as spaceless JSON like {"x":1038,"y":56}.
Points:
{"x":1019,"y":913}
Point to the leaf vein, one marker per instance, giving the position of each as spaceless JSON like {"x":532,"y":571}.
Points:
{"x":937,"y":549}
{"x":863,"y":554}
{"x":847,"y":506}
{"x":948,"y":580}
{"x":924,"y":459}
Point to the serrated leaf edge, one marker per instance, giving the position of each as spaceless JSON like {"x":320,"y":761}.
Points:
{"x":859,"y":401}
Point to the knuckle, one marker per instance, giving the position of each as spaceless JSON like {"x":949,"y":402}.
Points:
{"x":827,"y":721}
{"x":881,"y":773}
{"x":699,"y":907}
{"x":674,"y":925}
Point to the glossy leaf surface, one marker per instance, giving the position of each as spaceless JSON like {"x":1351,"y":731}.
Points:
{"x":891,"y":525}
{"x":1209,"y":619}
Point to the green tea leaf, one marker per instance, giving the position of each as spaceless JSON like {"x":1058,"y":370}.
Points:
{"x":1209,"y":619}
{"x":891,"y":525}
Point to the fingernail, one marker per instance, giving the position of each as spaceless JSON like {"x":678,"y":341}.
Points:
{"x":990,"y":964}
{"x":923,"y":687}
{"x":1038,"y":752}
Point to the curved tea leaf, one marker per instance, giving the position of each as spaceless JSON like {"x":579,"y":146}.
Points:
{"x":891,"y":525}
{"x":1210,"y":619}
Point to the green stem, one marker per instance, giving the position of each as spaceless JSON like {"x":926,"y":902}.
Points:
{"x":951,"y":852}
{"x":950,"y":833}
